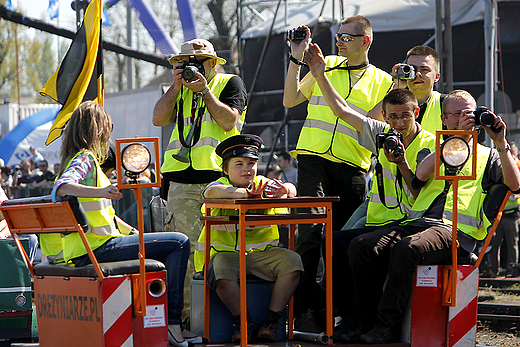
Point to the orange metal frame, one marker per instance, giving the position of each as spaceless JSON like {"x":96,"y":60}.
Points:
{"x":139,"y":281}
{"x":243,"y":220}
{"x":450,"y":277}
{"x":45,"y":218}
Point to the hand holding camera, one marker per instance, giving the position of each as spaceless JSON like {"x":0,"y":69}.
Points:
{"x":485,"y":117}
{"x":404,"y":72}
{"x":299,"y":39}
{"x":190,"y":69}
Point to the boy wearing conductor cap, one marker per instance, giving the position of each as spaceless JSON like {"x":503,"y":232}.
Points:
{"x":264,"y":259}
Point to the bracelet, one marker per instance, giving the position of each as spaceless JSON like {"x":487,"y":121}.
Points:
{"x":505,"y":149}
{"x":203,"y":92}
{"x":296,"y":61}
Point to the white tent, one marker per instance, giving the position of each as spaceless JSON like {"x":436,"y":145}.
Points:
{"x":384,"y":15}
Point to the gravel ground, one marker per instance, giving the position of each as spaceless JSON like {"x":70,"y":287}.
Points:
{"x":498,"y":336}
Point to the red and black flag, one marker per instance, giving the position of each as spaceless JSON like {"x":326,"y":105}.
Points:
{"x":80,"y":75}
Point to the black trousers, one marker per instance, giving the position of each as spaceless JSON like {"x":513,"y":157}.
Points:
{"x":321,"y":177}
{"x":395,"y":253}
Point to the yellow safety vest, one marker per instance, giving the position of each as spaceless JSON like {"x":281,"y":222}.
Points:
{"x":512,"y":204}
{"x":52,"y":246}
{"x":431,"y":119}
{"x":471,"y":219}
{"x":323,"y":133}
{"x":379,"y":214}
{"x":224,"y":238}
{"x":202,"y":155}
{"x":100,"y":215}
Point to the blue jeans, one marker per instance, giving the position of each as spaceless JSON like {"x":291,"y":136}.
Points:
{"x":170,"y":248}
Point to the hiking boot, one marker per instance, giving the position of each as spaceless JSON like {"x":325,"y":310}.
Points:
{"x":306,"y":322}
{"x":237,"y":336}
{"x":380,"y":334}
{"x":269,"y":329}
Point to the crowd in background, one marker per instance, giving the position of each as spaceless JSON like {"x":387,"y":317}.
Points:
{"x":31,"y":177}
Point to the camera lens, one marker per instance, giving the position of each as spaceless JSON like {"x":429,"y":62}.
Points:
{"x":391,"y":142}
{"x":487,"y":119}
{"x":483,"y":116}
{"x":189,"y":73}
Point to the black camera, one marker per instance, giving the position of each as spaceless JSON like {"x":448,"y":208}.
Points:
{"x":484,"y":117}
{"x":190,"y":69}
{"x":296,"y":34}
{"x":391,"y":141}
{"x":406,"y":72}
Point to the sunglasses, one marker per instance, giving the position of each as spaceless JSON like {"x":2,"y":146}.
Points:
{"x":346,"y":37}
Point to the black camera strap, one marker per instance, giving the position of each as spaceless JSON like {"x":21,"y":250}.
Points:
{"x":196,"y":123}
{"x":348,"y":68}
{"x":381,"y":186}
{"x":337,"y":67}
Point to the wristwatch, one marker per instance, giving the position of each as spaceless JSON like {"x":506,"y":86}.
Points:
{"x":203,"y":92}
{"x":505,"y":149}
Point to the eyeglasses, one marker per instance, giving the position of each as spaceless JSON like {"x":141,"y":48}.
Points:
{"x":346,"y":37}
{"x":403,"y":117}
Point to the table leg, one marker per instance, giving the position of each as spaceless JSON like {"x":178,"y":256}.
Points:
{"x":290,"y":315}
{"x":243,"y":283}
{"x":328,"y":270}
{"x":207,"y":291}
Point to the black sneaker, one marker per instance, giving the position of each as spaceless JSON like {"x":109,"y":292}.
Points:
{"x":306,"y":322}
{"x":380,"y":334}
{"x":269,"y":329}
{"x":237,"y":336}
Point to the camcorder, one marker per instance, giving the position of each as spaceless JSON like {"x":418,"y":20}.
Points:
{"x":406,"y":72}
{"x":390,"y":140}
{"x":484,"y":117}
{"x":190,"y":69}
{"x":296,"y":34}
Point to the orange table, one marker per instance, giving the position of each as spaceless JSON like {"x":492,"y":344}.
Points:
{"x":244,"y":220}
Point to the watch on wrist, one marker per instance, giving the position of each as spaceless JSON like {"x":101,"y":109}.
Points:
{"x":203,"y":92}
{"x":505,"y":149}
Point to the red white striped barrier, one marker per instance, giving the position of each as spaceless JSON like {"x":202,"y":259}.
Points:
{"x":462,"y":321}
{"x":117,"y":312}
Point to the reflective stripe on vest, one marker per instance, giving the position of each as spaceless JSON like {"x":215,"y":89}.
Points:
{"x":226,"y":239}
{"x":202,"y":155}
{"x":470,"y":215}
{"x":323,"y":133}
{"x":52,"y":246}
{"x":379,"y":214}
{"x":203,"y":141}
{"x":431,"y":119}
{"x":513,"y":202}
{"x":320,"y":100}
{"x":100,"y":216}
{"x":462,"y":218}
{"x":426,"y":196}
{"x":219,"y":247}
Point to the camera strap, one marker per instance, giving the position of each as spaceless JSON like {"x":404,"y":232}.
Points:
{"x":348,"y":68}
{"x":381,"y":186}
{"x":337,"y":67}
{"x":196,"y":123}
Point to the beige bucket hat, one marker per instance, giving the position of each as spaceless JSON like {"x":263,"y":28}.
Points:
{"x":198,"y":47}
